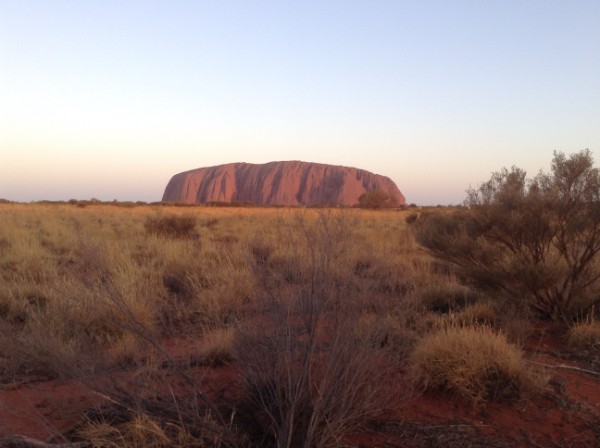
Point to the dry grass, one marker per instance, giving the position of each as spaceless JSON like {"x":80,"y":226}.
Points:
{"x":446,"y":297}
{"x":144,"y":430}
{"x":98,"y":289}
{"x":585,"y":334}
{"x":172,"y":226}
{"x":218,"y":346}
{"x":74,"y":280}
{"x":475,"y":364}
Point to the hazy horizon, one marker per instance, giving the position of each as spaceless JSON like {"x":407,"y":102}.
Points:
{"x":110,"y":99}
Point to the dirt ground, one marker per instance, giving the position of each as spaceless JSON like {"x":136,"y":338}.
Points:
{"x":566,"y":415}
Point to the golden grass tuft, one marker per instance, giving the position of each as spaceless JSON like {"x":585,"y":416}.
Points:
{"x":475,"y":364}
{"x":218,"y":346}
{"x":142,"y":431}
{"x":585,"y":334}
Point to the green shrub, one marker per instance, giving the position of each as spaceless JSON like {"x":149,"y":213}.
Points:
{"x":533,"y":242}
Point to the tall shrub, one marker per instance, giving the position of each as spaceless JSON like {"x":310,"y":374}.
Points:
{"x":374,"y":199}
{"x":309,"y":376}
{"x":532,"y":241}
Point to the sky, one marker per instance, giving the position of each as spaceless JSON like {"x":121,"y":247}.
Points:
{"x":109,"y":99}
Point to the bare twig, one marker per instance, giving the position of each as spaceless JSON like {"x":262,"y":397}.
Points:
{"x":565,"y":367}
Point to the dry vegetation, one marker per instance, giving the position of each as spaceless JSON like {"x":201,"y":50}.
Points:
{"x":585,"y":334}
{"x":476,"y":364}
{"x":311,"y":312}
{"x":534,"y":242}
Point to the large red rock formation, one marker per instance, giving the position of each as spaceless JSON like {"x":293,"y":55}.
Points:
{"x":278,"y":183}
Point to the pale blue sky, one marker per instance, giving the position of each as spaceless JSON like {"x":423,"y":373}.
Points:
{"x":109,"y":99}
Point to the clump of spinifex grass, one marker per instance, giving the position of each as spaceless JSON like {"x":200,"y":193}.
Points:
{"x":475,"y":364}
{"x":156,"y":423}
{"x":585,"y":334}
{"x":218,"y":346}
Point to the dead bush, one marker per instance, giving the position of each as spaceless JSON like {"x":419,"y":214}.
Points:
{"x":475,"y":364}
{"x":171,"y":226}
{"x":309,"y":376}
{"x":310,"y":386}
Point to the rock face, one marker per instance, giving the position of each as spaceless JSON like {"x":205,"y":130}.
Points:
{"x":278,"y":183}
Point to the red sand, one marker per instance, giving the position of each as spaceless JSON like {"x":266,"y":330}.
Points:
{"x":568,"y":414}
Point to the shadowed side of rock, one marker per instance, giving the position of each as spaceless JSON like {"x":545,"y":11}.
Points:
{"x":290,"y":183}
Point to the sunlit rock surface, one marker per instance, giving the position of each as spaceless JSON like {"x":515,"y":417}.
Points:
{"x":290,"y":183}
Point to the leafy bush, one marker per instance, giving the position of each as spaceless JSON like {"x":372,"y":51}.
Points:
{"x":529,"y":241}
{"x":475,"y":364}
{"x":171,"y":226}
{"x":374,"y":199}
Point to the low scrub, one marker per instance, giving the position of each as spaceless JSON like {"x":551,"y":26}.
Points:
{"x":171,"y":226}
{"x":531,"y":242}
{"x":218,"y":346}
{"x":153,"y":424}
{"x":444,"y":298}
{"x":310,"y":376}
{"x":389,"y":333}
{"x":475,"y":364}
{"x":585,"y":334}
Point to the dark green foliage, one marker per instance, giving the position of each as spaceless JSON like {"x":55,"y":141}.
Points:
{"x":533,"y":242}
